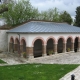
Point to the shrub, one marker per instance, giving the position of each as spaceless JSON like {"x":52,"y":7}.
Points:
{"x":50,"y":52}
{"x":68,"y":49}
{"x":24,"y":54}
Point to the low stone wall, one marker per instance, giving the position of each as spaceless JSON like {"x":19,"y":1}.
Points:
{"x":3,"y":40}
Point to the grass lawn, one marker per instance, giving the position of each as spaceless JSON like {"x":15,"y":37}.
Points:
{"x":35,"y":71}
{"x":2,"y":61}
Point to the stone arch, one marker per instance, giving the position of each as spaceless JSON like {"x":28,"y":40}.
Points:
{"x":43,"y":42}
{"x":62,"y":39}
{"x":78,"y":38}
{"x":23,"y":44}
{"x":50,"y":45}
{"x":38,"y":48}
{"x":11,"y":46}
{"x":70,"y":38}
{"x":60,"y":44}
{"x":69,"y":42}
{"x":11,"y":39}
{"x":76,"y":45}
{"x":17,"y":44}
{"x":52,"y":39}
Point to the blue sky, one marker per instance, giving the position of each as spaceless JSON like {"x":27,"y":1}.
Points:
{"x":68,"y":5}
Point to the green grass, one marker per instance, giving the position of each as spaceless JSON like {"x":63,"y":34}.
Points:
{"x":35,"y":71}
{"x":2,"y":61}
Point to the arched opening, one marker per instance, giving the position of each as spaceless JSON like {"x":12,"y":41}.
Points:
{"x":50,"y":46}
{"x":76,"y":44}
{"x":37,"y":50}
{"x":12,"y":45}
{"x":60,"y":46}
{"x":17,"y":45}
{"x":23,"y":45}
{"x":68,"y":45}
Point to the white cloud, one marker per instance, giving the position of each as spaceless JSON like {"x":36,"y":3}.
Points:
{"x":68,"y":5}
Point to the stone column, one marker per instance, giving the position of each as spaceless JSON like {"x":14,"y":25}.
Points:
{"x":29,"y":53}
{"x":21,"y":48}
{"x":11,"y":47}
{"x":15,"y":48}
{"x":64,"y":47}
{"x":72,"y":47}
{"x":78,"y":46}
{"x":44,"y":50}
{"x":55,"y":48}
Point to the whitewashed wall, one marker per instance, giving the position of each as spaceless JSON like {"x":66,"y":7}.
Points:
{"x":46,"y":36}
{"x":3,"y":40}
{"x":31,"y":37}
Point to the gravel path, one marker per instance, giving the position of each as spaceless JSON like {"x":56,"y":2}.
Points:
{"x":61,"y":58}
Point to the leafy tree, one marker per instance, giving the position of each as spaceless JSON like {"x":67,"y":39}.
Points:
{"x":77,"y":17}
{"x":3,"y":5}
{"x":34,"y":14}
{"x":65,"y":17}
{"x":18,"y":12}
{"x":50,"y":15}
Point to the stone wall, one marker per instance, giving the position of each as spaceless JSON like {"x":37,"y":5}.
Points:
{"x":3,"y":40}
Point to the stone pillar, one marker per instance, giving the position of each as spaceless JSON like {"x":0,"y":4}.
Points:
{"x":44,"y":50}
{"x":64,"y":47}
{"x":21,"y":48}
{"x":15,"y":48}
{"x":72,"y":47}
{"x":78,"y":46}
{"x":29,"y":51}
{"x":10,"y":45}
{"x":55,"y":48}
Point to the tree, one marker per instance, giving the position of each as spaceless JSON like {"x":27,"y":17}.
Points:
{"x":65,"y":17}
{"x":5,"y":1}
{"x":77,"y":17}
{"x":3,"y":10}
{"x":18,"y":12}
{"x":50,"y":15}
{"x":3,"y":7}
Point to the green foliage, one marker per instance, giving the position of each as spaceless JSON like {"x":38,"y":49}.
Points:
{"x":65,"y":17}
{"x":35,"y":71}
{"x":24,"y":54}
{"x":77,"y":17}
{"x":50,"y":15}
{"x":68,"y":49}
{"x":56,"y":16}
{"x":50,"y":52}
{"x":19,"y":12}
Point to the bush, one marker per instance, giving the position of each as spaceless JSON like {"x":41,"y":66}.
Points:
{"x":50,"y":52}
{"x":68,"y":49}
{"x":24,"y":54}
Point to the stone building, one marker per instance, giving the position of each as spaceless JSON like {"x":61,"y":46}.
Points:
{"x":38,"y":38}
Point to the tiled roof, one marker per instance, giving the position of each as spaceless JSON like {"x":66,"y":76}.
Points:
{"x":45,"y":27}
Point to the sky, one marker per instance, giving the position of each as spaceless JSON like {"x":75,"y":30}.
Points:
{"x":62,"y":5}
